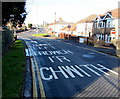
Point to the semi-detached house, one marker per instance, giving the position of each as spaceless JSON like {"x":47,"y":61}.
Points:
{"x":105,"y":26}
{"x":85,"y":26}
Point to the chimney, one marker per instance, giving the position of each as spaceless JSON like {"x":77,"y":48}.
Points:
{"x":60,"y":19}
{"x":109,"y":12}
{"x":54,"y":21}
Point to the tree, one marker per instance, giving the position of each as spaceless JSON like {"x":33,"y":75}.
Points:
{"x":30,"y":25}
{"x":13,"y":12}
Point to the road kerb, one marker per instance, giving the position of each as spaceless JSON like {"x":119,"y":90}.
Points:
{"x":33,"y":75}
{"x":35,"y":93}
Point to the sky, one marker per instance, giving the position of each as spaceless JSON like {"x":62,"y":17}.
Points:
{"x":40,"y":11}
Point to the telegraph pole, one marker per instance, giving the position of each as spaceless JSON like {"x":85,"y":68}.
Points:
{"x":55,"y":22}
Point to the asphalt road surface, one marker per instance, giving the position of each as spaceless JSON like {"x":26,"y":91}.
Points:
{"x":65,"y":70}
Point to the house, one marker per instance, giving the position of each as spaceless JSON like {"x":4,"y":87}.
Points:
{"x":85,"y":26}
{"x":70,"y":29}
{"x":58,"y":25}
{"x":104,"y":26}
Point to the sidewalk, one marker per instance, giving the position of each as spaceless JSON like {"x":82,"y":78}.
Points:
{"x":103,"y":49}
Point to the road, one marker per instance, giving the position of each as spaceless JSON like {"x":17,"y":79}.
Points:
{"x":60,"y":69}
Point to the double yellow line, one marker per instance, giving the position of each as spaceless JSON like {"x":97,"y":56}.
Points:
{"x":35,"y":65}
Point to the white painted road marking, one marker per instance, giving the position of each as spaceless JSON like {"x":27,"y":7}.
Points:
{"x":82,"y":71}
{"x":58,"y":52}
{"x":104,"y":68}
{"x":87,"y":66}
{"x":60,"y":58}
{"x":69,"y":71}
{"x":27,"y":54}
{"x":50,"y":58}
{"x":100,"y":69}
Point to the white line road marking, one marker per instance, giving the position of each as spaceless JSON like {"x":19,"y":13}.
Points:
{"x":87,"y":66}
{"x":60,"y":71}
{"x":82,"y":71}
{"x":62,"y":58}
{"x":51,"y":59}
{"x":58,"y":52}
{"x":69,"y":71}
{"x":27,"y":54}
{"x":42,"y":44}
{"x":100,"y":69}
{"x":33,"y":48}
{"x":45,"y":47}
{"x":34,"y":53}
{"x":42,"y":74}
{"x":39,"y":47}
{"x":53,"y":47}
{"x":39,"y":53}
{"x":107,"y":69}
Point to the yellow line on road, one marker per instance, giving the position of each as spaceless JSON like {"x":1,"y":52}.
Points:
{"x":42,"y":92}
{"x":34,"y":81}
{"x":33,"y":76}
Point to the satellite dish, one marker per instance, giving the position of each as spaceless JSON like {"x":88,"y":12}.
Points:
{"x":69,"y":26}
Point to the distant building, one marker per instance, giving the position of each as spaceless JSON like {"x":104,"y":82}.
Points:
{"x":58,"y":25}
{"x":70,"y":29}
{"x":85,"y":26}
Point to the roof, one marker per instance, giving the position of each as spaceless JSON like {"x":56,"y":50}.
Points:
{"x":88,"y":19}
{"x":72,"y":28}
{"x":61,"y":21}
{"x":51,"y":24}
{"x":115,"y":13}
{"x":101,"y":16}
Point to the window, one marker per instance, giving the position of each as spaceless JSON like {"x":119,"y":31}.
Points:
{"x":109,"y":24}
{"x":100,"y":24}
{"x":103,"y":24}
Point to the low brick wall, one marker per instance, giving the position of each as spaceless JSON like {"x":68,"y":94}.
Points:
{"x":116,"y":43}
{"x":74,"y":38}
{"x":118,"y":48}
{"x":98,"y":43}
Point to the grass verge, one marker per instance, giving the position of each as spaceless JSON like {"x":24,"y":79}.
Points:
{"x":13,"y":69}
{"x":40,"y":35}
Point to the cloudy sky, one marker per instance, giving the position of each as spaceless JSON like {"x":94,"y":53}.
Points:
{"x":69,"y":10}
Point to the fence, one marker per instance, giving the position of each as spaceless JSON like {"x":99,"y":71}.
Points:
{"x":7,"y":38}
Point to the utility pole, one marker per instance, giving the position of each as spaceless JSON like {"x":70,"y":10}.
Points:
{"x":85,"y":28}
{"x":55,"y":22}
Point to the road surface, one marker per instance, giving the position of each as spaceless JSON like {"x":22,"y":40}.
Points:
{"x":64,"y":70}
